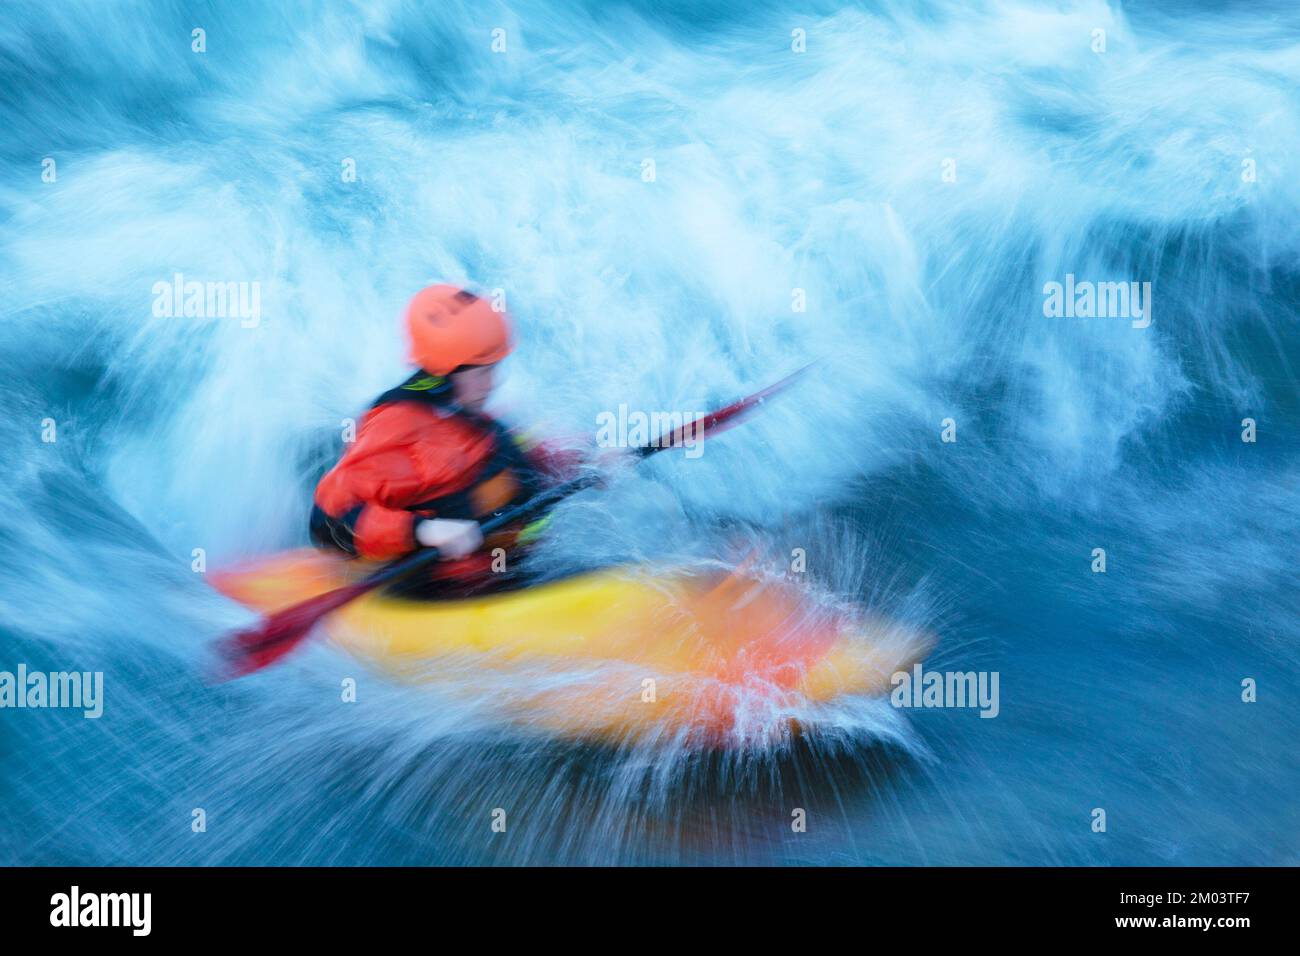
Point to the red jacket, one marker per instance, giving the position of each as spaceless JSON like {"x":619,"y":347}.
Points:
{"x":418,"y":455}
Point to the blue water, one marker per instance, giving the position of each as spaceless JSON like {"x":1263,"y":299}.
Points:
{"x":1171,"y":157}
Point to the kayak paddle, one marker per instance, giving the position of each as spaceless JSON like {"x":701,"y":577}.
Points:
{"x":279,"y":633}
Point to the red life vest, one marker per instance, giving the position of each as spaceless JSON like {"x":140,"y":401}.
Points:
{"x":419,"y":455}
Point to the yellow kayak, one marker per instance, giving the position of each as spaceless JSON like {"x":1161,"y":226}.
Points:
{"x":616,"y":655}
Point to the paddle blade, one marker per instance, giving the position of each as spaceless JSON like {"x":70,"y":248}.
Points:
{"x":719,"y":420}
{"x":279,"y":633}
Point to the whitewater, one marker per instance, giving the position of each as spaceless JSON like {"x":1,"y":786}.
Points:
{"x":681,"y":207}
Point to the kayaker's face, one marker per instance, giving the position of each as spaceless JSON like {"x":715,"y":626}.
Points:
{"x":472,"y":386}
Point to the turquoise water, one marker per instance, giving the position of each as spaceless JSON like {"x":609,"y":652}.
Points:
{"x":918,"y":174}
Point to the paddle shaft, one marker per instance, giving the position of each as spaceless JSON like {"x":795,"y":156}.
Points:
{"x":278,"y":633}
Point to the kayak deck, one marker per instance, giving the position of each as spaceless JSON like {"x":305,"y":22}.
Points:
{"x":617,"y":654}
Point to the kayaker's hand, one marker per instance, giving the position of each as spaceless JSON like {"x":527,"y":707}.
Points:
{"x":453,"y":538}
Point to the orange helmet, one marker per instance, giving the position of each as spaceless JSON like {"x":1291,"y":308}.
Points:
{"x":449,"y":327}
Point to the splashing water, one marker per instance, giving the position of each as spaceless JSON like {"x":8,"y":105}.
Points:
{"x":913,"y":178}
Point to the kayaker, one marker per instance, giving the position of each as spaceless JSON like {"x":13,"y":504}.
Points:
{"x":428,"y":464}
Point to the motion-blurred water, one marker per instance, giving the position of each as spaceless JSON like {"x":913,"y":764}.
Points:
{"x":919,"y":171}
